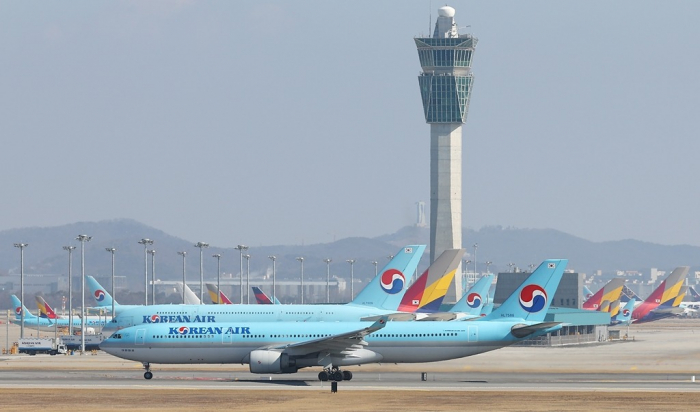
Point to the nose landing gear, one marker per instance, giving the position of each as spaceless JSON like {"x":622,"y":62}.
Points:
{"x":148,"y":374}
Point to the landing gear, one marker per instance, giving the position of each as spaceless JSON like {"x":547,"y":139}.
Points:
{"x":334,"y":374}
{"x":148,"y":374}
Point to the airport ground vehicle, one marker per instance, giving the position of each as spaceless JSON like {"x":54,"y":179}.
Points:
{"x":35,"y":346}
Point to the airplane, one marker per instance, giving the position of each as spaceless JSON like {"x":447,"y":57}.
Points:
{"x":380,"y":297}
{"x":103,"y":299}
{"x":610,"y":293}
{"x":286,"y":347}
{"x":586,"y":293}
{"x":625,"y":315}
{"x":660,"y":304}
{"x":262,"y":298}
{"x":34,"y":321}
{"x":217,"y":298}
{"x":471,"y":305}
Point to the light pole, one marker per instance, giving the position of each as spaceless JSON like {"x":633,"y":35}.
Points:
{"x":114,"y":296}
{"x":274,"y":284}
{"x":301,"y":259}
{"x":152,"y":252}
{"x":218,"y":278}
{"x":184,"y":280}
{"x":201,"y":246}
{"x":145,"y":242}
{"x":328,"y":279}
{"x":21,"y":247}
{"x":82,"y":239}
{"x":488,"y":263}
{"x":247,"y":279}
{"x":352,"y":278}
{"x":241,"y":248}
{"x":465,"y":275}
{"x":476,"y":245}
{"x":70,"y":287}
{"x":375,"y":263}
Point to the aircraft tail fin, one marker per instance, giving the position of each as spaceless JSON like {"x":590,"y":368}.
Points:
{"x":625,"y":314}
{"x":476,"y":298}
{"x":387,"y":289}
{"x":217,"y":296}
{"x":19,"y":307}
{"x":531,"y":300}
{"x":261,"y":297}
{"x":190,"y":297}
{"x":425,"y":295}
{"x":610,"y":292}
{"x":587,"y":294}
{"x":100,"y":294}
{"x":45,"y":311}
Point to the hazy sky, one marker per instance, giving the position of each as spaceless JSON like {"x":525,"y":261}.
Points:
{"x":278,"y":122}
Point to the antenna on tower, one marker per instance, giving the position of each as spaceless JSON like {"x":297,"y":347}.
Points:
{"x":430,"y":22}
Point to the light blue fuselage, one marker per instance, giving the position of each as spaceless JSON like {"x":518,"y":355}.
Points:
{"x":223,"y":342}
{"x":208,"y":314}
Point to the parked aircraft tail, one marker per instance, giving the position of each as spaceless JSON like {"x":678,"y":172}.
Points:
{"x":217,"y":298}
{"x":610,"y":292}
{"x":19,"y":307}
{"x":387,"y":289}
{"x":476,"y":298}
{"x":531,"y":300}
{"x":45,"y":311}
{"x":425,"y":295}
{"x":262,"y":298}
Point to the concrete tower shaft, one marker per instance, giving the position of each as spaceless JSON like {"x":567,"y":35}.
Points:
{"x":445,"y":84}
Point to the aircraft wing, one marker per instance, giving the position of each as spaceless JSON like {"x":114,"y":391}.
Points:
{"x":394,"y":317}
{"x":440,"y":316}
{"x":521,"y":331}
{"x":340,"y":344}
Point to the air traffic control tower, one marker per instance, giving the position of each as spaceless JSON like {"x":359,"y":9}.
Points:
{"x":445,"y":87}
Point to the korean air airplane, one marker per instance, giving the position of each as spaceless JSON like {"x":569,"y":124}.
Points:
{"x":261,"y":298}
{"x":380,"y":297}
{"x":469,"y":306}
{"x":34,"y":321}
{"x":286,"y":347}
{"x":625,"y":315}
{"x":662,"y":301}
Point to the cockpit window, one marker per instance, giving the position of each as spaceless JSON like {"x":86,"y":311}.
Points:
{"x":117,"y":336}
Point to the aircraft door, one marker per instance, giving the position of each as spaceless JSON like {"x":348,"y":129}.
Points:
{"x":140,"y":335}
{"x":473,"y":333}
{"x":227,"y":339}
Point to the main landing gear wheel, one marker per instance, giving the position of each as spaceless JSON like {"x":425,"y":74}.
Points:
{"x":334,"y":374}
{"x":148,"y":374}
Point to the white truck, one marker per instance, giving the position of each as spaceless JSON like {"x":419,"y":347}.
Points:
{"x":49,"y":346}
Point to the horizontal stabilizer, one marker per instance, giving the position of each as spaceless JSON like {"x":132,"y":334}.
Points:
{"x":521,"y":331}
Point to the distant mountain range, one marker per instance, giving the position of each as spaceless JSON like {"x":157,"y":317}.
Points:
{"x":523,"y":247}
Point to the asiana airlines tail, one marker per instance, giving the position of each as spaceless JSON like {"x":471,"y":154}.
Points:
{"x":286,"y":347}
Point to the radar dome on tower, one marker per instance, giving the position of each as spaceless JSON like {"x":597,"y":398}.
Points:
{"x":446,"y":11}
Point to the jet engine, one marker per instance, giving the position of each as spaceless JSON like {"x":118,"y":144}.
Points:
{"x":271,"y":361}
